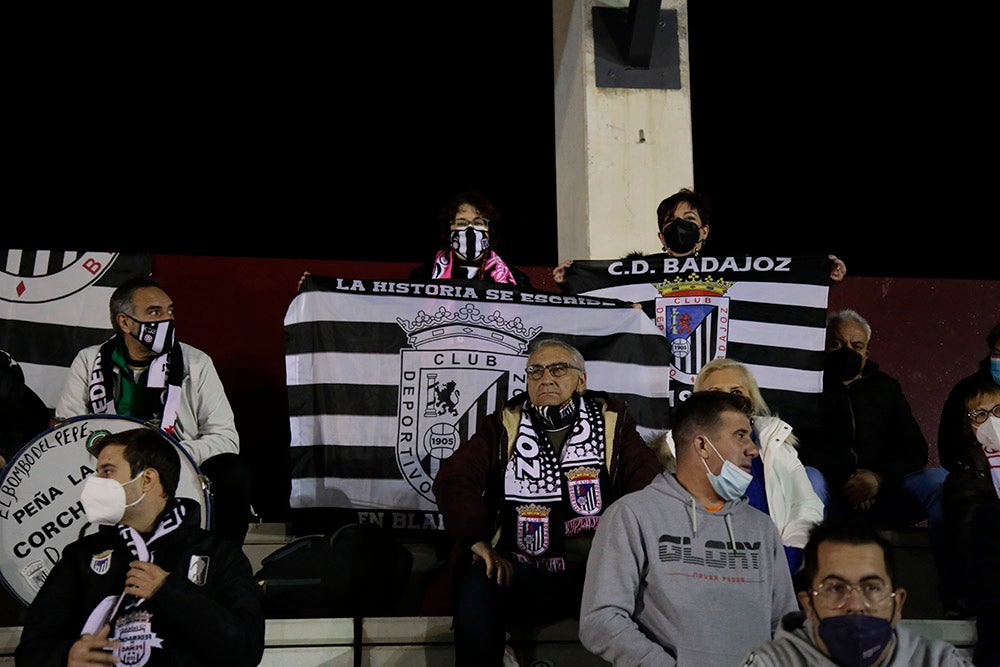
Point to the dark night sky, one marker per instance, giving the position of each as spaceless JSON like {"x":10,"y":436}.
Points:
{"x":815,"y":130}
{"x":864,"y":133}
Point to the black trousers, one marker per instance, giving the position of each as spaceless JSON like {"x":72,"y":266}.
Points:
{"x":484,"y":609}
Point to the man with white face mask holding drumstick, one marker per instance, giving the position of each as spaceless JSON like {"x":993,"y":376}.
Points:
{"x":150,"y":587}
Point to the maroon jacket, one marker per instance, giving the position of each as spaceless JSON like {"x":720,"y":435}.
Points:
{"x":469,"y":485}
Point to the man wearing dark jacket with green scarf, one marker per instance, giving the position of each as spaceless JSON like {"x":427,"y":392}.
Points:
{"x":150,"y":587}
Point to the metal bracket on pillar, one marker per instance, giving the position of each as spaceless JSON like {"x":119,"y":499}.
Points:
{"x":636,"y":47}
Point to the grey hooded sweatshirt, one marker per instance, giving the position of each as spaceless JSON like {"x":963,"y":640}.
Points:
{"x":793,"y":646}
{"x":669,"y":582}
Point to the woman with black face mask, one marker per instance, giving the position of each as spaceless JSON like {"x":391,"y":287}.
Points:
{"x":469,"y":225}
{"x":682,"y":221}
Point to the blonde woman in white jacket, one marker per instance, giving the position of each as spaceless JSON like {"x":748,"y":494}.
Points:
{"x":789,"y":493}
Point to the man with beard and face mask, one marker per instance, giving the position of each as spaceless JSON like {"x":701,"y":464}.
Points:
{"x":851,"y":609}
{"x":469,"y":225}
{"x":869,"y":445}
{"x":150,"y":587}
{"x":686,"y":572}
{"x":142,"y":371}
{"x":521,"y":499}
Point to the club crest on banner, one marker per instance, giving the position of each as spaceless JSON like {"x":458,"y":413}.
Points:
{"x":693,"y":313}
{"x":41,"y":282}
{"x":462,"y":366}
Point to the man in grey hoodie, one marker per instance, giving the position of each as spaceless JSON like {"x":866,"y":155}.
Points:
{"x":851,"y":608}
{"x":685,"y":571}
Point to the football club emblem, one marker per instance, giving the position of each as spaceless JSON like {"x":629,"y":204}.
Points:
{"x":584,"y":491}
{"x":101,"y":563}
{"x":463,"y":365}
{"x":694,"y":315}
{"x":533,"y":529}
{"x":35,"y":573}
{"x":136,"y":638}
{"x":42,"y":282}
{"x":198,"y":570}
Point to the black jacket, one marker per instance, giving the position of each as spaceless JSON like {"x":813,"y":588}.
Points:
{"x":23,"y":415}
{"x":865,"y":424}
{"x":219,"y":622}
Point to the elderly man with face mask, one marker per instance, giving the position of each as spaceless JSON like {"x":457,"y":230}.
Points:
{"x":870,"y":447}
{"x":851,"y":608}
{"x":522,"y":497}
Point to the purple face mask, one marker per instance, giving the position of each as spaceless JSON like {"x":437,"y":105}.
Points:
{"x":855,"y":640}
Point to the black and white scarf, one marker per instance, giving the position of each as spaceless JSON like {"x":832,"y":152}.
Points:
{"x":548,"y":497}
{"x":170,"y":520}
{"x":163,"y":383}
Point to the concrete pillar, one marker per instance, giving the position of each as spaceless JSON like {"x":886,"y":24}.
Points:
{"x":619,"y":151}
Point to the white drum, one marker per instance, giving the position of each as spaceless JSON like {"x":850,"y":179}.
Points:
{"x":40,"y":508}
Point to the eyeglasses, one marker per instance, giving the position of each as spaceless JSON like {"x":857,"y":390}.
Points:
{"x":477,"y":223}
{"x":980,"y":416}
{"x":833,"y":594}
{"x":556,"y":370}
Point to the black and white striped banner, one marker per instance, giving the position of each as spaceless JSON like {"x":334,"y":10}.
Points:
{"x":386,"y":378}
{"x":766,"y":312}
{"x":54,"y":303}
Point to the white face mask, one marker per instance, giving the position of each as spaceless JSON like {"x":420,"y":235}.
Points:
{"x":732,"y":481}
{"x":104,"y":499}
{"x":988,"y":434}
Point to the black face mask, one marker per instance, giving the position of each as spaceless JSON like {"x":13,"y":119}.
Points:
{"x":842,"y":365}
{"x":158,"y":336}
{"x":681,"y":236}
